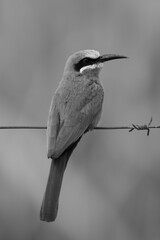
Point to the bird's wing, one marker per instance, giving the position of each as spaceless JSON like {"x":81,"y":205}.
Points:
{"x":70,"y":132}
{"x":53,"y":125}
{"x":68,"y":121}
{"x":76,"y":122}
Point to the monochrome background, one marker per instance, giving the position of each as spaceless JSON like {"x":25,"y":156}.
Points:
{"x":111,"y":187}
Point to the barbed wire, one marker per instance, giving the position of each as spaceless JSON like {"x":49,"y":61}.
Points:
{"x":145,"y":127}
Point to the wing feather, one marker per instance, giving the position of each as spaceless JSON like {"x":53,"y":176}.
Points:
{"x":53,"y":126}
{"x":70,"y":133}
{"x":71,"y":116}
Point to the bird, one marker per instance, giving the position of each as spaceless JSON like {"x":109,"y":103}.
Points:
{"x":75,"y":109}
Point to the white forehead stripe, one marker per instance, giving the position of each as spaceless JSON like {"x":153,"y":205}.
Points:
{"x":92,"y":53}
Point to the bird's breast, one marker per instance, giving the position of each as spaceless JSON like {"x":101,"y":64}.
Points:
{"x":77,"y":92}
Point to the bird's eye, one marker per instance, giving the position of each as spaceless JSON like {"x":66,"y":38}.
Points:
{"x":82,"y":63}
{"x":86,"y":60}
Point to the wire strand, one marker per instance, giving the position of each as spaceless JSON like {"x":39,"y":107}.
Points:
{"x":146,"y":127}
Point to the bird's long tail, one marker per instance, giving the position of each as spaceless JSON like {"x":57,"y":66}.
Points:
{"x":49,"y":206}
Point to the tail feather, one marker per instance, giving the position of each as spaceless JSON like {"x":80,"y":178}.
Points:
{"x":49,"y":206}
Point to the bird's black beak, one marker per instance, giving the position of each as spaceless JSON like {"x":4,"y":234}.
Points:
{"x":109,"y":57}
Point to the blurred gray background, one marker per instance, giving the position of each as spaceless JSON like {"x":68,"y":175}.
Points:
{"x":111,"y":187}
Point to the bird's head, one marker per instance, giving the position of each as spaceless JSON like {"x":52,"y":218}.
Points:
{"x":88,"y":61}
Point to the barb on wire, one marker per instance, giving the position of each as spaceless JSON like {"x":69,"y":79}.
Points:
{"x":142,"y":127}
{"x":146,"y":127}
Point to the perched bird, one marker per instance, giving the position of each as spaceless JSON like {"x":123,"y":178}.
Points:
{"x":75,"y":109}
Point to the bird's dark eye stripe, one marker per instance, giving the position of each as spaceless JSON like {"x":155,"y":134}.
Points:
{"x":84,"y":62}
